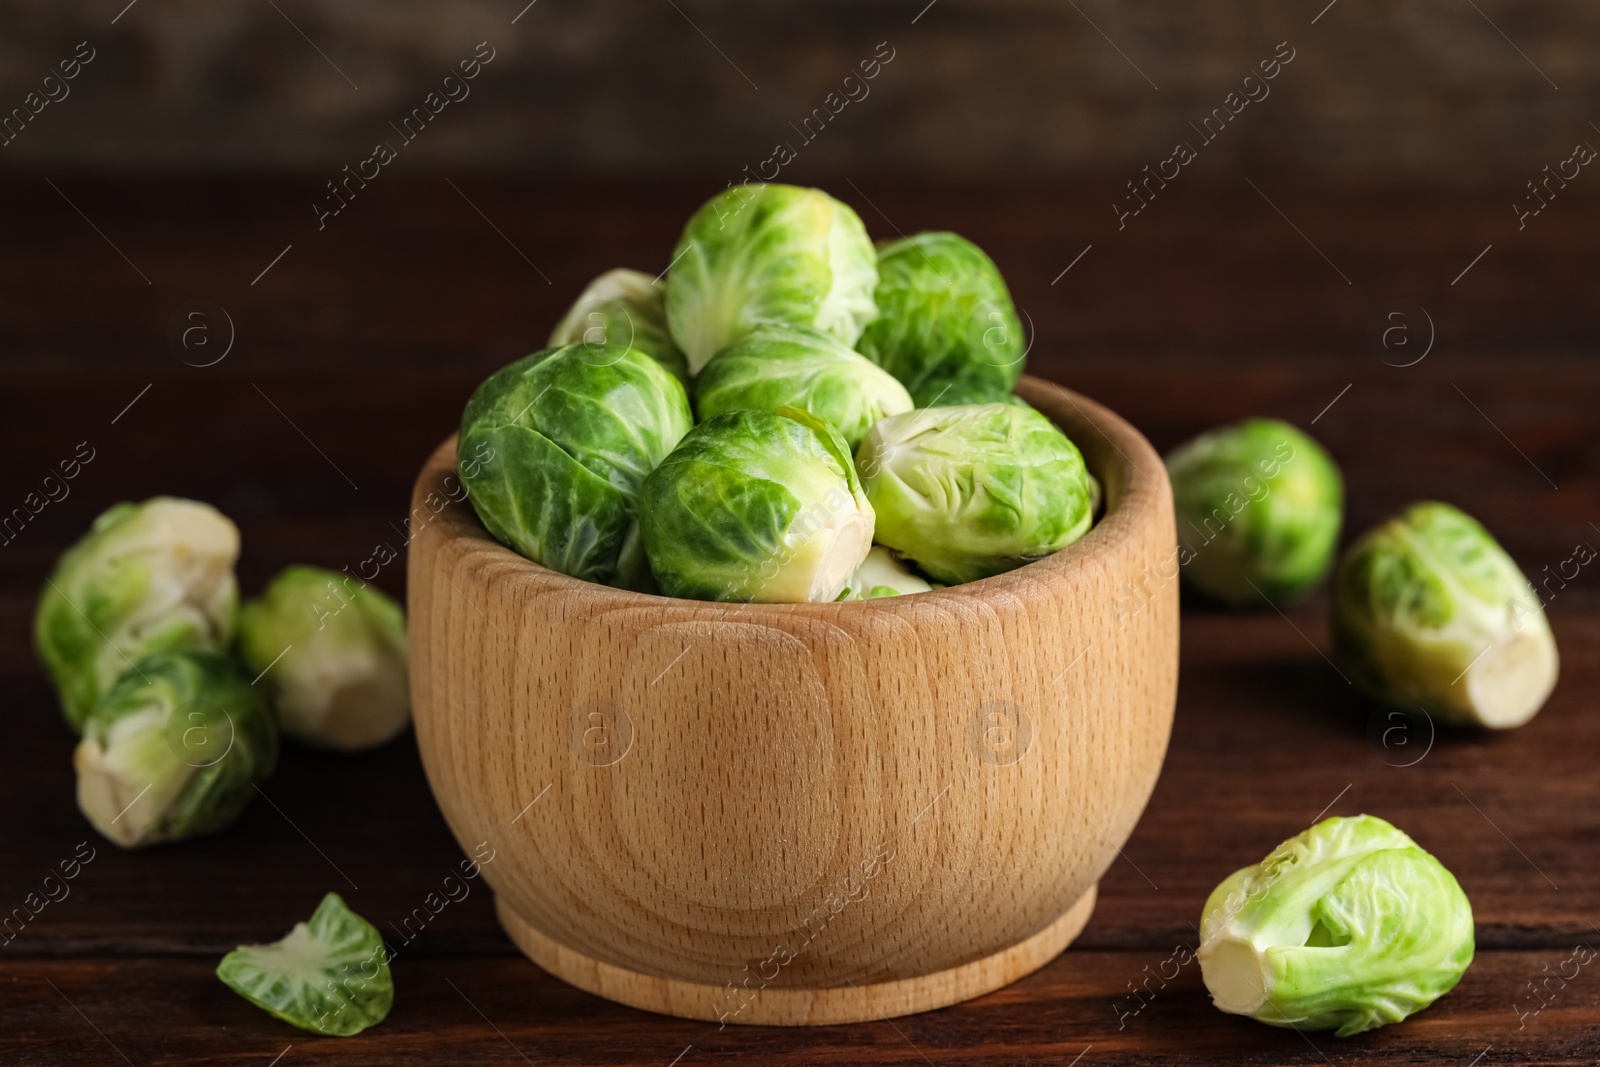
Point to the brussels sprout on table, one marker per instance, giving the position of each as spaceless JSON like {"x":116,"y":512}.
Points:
{"x":332,"y":652}
{"x":1347,"y":926}
{"x":968,"y":492}
{"x":626,"y":308}
{"x":173,"y":750}
{"x":1258,"y":506}
{"x":800,"y":367}
{"x":329,"y":976}
{"x":146,"y":578}
{"x":573,"y":432}
{"x":946,"y":326}
{"x":882,"y":574}
{"x":769,"y":253}
{"x":1429,"y":611}
{"x":760,"y":506}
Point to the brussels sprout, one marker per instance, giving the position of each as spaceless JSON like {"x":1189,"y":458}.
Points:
{"x":769,"y":253}
{"x":332,"y":652}
{"x":1429,"y":611}
{"x":626,"y":308}
{"x":882,"y":574}
{"x":173,"y":750}
{"x":572,"y":432}
{"x":146,"y":578}
{"x":800,"y":367}
{"x":329,"y":976}
{"x":1258,"y":506}
{"x":971,"y":491}
{"x":946,"y":326}
{"x":757,"y":506}
{"x":1347,"y":926}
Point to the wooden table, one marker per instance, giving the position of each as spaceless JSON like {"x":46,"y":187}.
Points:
{"x":355,"y":349}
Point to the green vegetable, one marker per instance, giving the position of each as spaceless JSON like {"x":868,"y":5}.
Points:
{"x":1429,"y":611}
{"x":946,"y":326}
{"x":173,"y":750}
{"x":1258,"y":506}
{"x":554,"y":449}
{"x":757,"y":506}
{"x":800,"y":367}
{"x":967,"y":492}
{"x":146,"y":578}
{"x":1347,"y":926}
{"x":624,"y":308}
{"x":332,"y":652}
{"x":768,"y":253}
{"x":882,"y":574}
{"x":329,"y":976}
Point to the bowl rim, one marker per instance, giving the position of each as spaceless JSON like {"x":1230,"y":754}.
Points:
{"x":1132,"y":476}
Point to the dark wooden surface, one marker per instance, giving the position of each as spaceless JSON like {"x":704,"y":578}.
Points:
{"x":353,"y":356}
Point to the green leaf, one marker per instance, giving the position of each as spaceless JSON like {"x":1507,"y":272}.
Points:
{"x":329,"y":976}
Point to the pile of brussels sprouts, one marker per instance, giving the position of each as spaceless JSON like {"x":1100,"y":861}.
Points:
{"x":1350,"y":925}
{"x":179,"y":695}
{"x":852,"y":432}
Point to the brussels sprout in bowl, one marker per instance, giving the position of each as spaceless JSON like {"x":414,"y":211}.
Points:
{"x":642,"y":708}
{"x":769,"y":253}
{"x":800,"y":367}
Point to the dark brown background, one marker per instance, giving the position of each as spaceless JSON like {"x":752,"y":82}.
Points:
{"x":186,"y":161}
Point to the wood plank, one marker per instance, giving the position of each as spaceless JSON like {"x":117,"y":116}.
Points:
{"x":501,"y":1010}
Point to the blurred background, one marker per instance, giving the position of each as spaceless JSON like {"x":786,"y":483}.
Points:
{"x":1451,"y":93}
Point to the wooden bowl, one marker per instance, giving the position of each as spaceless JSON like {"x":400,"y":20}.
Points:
{"x":800,"y":813}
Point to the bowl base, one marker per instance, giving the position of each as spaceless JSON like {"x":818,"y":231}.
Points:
{"x":772,"y":1006}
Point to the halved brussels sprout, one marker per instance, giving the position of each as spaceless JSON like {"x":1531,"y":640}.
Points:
{"x":882,"y":574}
{"x":946,"y":326}
{"x":572,"y":431}
{"x":329,"y":976}
{"x":1258,"y":506}
{"x":146,"y":578}
{"x":769,"y":253}
{"x":626,"y":308}
{"x":800,"y":367}
{"x":1347,"y":926}
{"x":967,"y":492}
{"x":173,"y":750}
{"x":1429,"y":611}
{"x":757,"y":506}
{"x":332,"y":652}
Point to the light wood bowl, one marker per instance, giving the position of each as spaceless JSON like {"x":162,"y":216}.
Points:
{"x":800,"y":813}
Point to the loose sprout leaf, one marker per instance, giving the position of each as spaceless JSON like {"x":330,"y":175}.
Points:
{"x":968,"y":492}
{"x":332,"y":652}
{"x":1346,"y":927}
{"x":800,"y":367}
{"x":329,"y":976}
{"x":1430,"y":612}
{"x":146,"y":578}
{"x":174,"y":750}
{"x":946,"y":326}
{"x":1259,"y":505}
{"x":768,"y":253}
